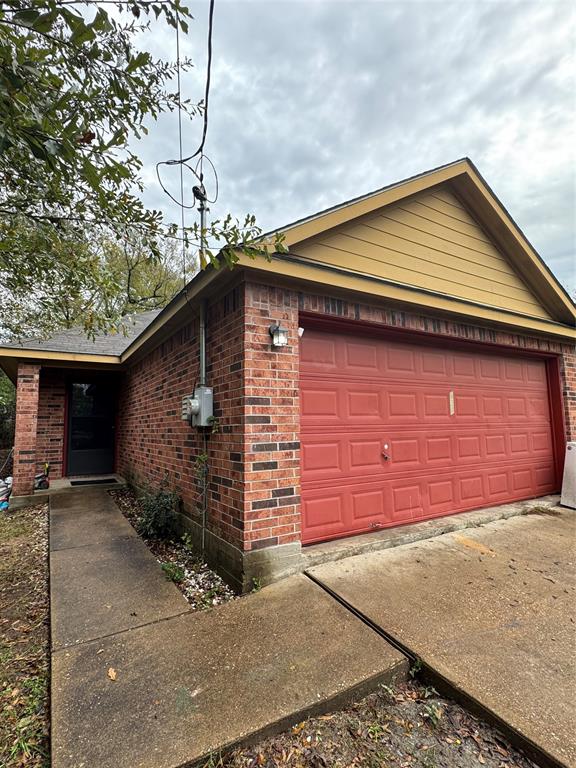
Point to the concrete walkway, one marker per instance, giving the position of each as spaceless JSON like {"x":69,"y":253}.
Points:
{"x":187,"y":684}
{"x":490,"y":610}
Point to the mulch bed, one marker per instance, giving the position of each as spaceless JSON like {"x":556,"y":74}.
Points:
{"x":199,"y":584}
{"x":408,"y":726}
{"x":24,"y":638}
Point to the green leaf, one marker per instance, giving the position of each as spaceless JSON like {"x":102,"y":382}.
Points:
{"x":26,"y":17}
{"x":82,"y":34}
{"x":138,"y":61}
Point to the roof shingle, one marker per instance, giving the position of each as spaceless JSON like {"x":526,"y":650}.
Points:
{"x":74,"y":340}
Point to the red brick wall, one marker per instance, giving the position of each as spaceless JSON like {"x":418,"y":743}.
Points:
{"x":272,"y":420}
{"x":154,"y":444}
{"x":25,"y":433}
{"x":253,"y":462}
{"x":568,"y":375}
{"x":51,"y":416}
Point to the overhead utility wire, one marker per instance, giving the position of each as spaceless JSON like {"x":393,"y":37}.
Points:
{"x":182,"y":209}
{"x":184,"y":161}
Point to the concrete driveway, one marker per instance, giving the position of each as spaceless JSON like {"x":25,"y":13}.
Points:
{"x":491,"y":610}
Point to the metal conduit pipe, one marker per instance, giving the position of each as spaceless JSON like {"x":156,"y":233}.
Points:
{"x":202,"y":344}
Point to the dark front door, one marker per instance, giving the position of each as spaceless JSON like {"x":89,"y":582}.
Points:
{"x":91,"y":428}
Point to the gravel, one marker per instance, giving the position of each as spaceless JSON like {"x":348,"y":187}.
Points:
{"x":199,"y":584}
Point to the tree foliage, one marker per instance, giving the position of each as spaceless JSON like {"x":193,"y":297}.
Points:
{"x":116,"y":278}
{"x":7,"y":390}
{"x":76,"y":93}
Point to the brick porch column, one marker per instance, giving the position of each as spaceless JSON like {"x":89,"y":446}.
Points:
{"x":27,"y":387}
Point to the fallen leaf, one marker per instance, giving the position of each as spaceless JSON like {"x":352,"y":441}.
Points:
{"x":112,"y":673}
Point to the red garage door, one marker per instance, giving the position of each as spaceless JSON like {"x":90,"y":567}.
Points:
{"x":396,"y":432}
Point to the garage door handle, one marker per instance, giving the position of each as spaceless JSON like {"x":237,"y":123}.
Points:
{"x":385,"y":456}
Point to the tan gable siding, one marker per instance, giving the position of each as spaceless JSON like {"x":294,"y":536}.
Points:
{"x":428,"y":241}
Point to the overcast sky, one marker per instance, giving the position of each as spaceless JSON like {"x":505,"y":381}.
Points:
{"x":313,"y":103}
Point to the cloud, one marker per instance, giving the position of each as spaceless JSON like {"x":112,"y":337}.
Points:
{"x":313,"y":103}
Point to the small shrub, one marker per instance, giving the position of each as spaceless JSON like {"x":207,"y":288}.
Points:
{"x":173,"y":572}
{"x":159,"y":514}
{"x":415,"y":668}
{"x":187,"y":542}
{"x":433,"y":714}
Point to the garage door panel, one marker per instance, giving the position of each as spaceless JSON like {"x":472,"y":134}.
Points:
{"x":362,"y":357}
{"x":346,"y":455}
{"x":364,"y":404}
{"x":319,"y":353}
{"x":498,"y":485}
{"x":357,"y":507}
{"x":442,"y":495}
{"x":403,"y":405}
{"x":328,"y":403}
{"x":535,"y":373}
{"x":407,"y":498}
{"x":323,"y":515}
{"x":323,"y":458}
{"x":364,"y":454}
{"x":496,"y":447}
{"x":400,"y":359}
{"x":320,"y":401}
{"x":407,"y":451}
{"x":471,"y":489}
{"x":393,"y":433}
{"x":436,"y":405}
{"x":464,"y":367}
{"x":542,"y":443}
{"x":545,"y":478}
{"x":490,"y":370}
{"x":492,"y":406}
{"x":434,"y":365}
{"x":368,"y":505}
{"x":538,"y":407}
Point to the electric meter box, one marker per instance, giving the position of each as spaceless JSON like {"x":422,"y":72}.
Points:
{"x":205,"y":413}
{"x":190,"y":405}
{"x":198,"y":408}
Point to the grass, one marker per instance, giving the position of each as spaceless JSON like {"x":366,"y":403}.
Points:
{"x":24,"y":639}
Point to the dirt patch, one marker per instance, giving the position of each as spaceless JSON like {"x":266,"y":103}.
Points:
{"x":199,"y":584}
{"x":409,"y":726}
{"x":24,"y":638}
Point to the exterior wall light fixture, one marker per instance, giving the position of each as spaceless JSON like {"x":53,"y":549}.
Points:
{"x":279,"y":336}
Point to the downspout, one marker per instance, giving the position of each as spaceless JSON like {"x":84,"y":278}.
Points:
{"x":202,"y":344}
{"x":202,"y":377}
{"x":202,"y":369}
